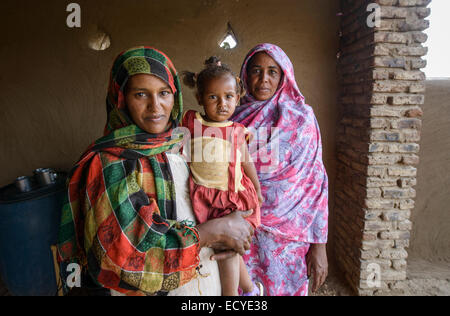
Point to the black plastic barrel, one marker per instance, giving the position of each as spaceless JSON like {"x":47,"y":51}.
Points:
{"x":29,"y":225}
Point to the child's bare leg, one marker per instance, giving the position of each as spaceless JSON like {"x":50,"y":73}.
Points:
{"x":245,"y":282}
{"x":229,"y":275}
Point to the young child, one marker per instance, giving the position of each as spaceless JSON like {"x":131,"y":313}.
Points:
{"x":222,"y":179}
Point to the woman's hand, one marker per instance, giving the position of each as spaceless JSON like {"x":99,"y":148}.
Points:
{"x":231,"y":233}
{"x":260,"y":197}
{"x":317,"y":265}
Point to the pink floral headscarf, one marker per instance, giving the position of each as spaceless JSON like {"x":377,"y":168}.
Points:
{"x":294,"y":182}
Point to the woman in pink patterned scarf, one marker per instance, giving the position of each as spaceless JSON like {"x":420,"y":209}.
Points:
{"x":290,"y":245}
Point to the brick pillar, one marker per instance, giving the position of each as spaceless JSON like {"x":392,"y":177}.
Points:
{"x":381,"y":94}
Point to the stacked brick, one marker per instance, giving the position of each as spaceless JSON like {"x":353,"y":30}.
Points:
{"x":381,"y":93}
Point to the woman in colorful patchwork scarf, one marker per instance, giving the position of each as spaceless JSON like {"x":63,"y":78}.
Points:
{"x":290,"y":245}
{"x":127,"y":221}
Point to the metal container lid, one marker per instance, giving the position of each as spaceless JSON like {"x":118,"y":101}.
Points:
{"x":11,"y":194}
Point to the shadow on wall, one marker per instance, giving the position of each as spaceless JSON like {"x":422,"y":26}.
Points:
{"x":430,"y":237}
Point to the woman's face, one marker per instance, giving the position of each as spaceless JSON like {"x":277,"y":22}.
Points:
{"x":263,"y":76}
{"x":150,"y":101}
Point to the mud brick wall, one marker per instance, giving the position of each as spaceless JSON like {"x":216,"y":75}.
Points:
{"x":381,"y":94}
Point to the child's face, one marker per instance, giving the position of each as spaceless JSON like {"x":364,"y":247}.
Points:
{"x":219,"y":98}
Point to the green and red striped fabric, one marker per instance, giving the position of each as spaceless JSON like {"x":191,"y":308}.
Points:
{"x":119,"y":217}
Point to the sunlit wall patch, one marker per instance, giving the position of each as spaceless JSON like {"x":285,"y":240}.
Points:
{"x":229,"y":40}
{"x":99,"y":40}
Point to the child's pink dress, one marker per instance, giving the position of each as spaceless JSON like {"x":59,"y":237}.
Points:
{"x":217,"y":182}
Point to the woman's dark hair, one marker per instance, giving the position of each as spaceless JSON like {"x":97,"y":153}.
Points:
{"x":214,"y":68}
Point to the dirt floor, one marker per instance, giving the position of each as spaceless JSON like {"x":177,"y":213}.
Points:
{"x":423,"y":279}
{"x":428,"y":278}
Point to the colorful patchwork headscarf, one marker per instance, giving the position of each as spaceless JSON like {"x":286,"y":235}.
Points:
{"x":119,"y":218}
{"x":294,"y":183}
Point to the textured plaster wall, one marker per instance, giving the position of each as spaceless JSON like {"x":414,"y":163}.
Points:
{"x":53,"y":86}
{"x":430,"y":237}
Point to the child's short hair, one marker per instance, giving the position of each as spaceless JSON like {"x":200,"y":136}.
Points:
{"x":214,"y":68}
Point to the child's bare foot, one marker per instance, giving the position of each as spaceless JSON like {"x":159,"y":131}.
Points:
{"x":258,"y":290}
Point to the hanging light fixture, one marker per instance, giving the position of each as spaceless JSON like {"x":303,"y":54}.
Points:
{"x":229,"y":40}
